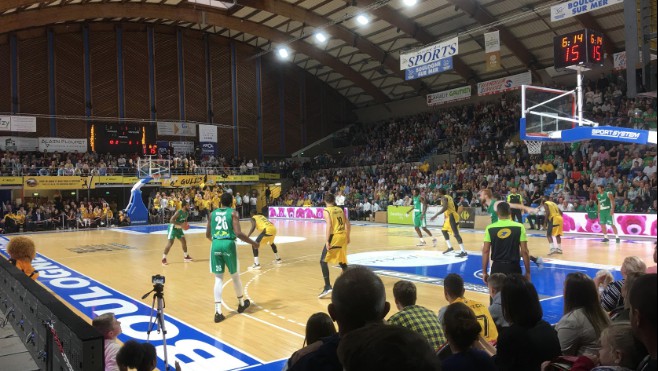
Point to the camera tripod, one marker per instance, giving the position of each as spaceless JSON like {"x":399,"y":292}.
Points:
{"x":158,"y":321}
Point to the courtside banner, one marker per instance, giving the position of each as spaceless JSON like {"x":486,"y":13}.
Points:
{"x":467,"y":218}
{"x":447,"y":96}
{"x":398,"y":215}
{"x":429,"y":54}
{"x":573,"y":8}
{"x":627,"y":224}
{"x":54,"y":182}
{"x":504,"y":84}
{"x":63,"y":145}
{"x":292,"y":212}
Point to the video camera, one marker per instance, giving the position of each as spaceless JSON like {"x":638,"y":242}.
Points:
{"x":158,"y":282}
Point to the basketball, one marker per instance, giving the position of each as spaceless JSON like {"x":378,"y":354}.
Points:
{"x":186,"y":226}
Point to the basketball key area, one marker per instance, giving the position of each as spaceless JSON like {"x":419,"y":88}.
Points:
{"x":95,"y":277}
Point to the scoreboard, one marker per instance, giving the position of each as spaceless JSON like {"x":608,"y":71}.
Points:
{"x":579,"y":48}
{"x":123,"y":138}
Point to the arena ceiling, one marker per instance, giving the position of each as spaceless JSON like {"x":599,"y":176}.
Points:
{"x":359,"y":61}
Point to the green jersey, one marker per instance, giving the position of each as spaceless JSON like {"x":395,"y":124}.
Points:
{"x":182,"y":217}
{"x":492,"y":211}
{"x":592,"y":213}
{"x":418,"y":206}
{"x":221,"y":224}
{"x":604,"y":200}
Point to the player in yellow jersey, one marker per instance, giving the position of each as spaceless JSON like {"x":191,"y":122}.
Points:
{"x":266,"y":237}
{"x":451,"y":223}
{"x":553,"y":226}
{"x":337,"y":237}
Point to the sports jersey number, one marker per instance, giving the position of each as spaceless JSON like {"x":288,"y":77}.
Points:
{"x":341,"y":224}
{"x":485,"y":324}
{"x":220,"y":222}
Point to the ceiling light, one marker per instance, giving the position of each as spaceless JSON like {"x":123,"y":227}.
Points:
{"x":320,"y":37}
{"x":409,"y":2}
{"x":362,"y":19}
{"x":283,"y":53}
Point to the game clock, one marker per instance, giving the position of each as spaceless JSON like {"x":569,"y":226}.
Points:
{"x":123,"y":138}
{"x":580,"y":48}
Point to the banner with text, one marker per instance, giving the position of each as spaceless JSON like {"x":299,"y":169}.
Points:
{"x":19,"y":144}
{"x":433,"y":68}
{"x":492,"y":50}
{"x":208,"y":133}
{"x":181,"y":129}
{"x":292,"y":212}
{"x":54,"y":182}
{"x":400,"y":215}
{"x":429,"y":54}
{"x":619,"y":60}
{"x":184,"y":147}
{"x":63,"y":145}
{"x":627,"y":224}
{"x":451,"y":95}
{"x":11,"y":180}
{"x":504,"y":84}
{"x":573,"y":8}
{"x":467,"y":218}
{"x":208,"y":148}
{"x":25,"y":124}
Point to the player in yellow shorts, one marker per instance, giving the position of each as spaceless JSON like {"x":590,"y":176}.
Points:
{"x":337,"y":238}
{"x":553,"y":226}
{"x":451,"y":224}
{"x":266,"y":236}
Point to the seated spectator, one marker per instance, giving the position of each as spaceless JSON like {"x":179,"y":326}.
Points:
{"x":583,"y":321}
{"x":415,"y":317}
{"x":318,"y":326}
{"x":358,"y":299}
{"x":495,"y":284}
{"x":529,"y":340}
{"x":21,"y":252}
{"x":124,"y":219}
{"x":110,"y":328}
{"x":623,"y":313}
{"x":611,"y":296}
{"x":602,"y":279}
{"x":386,"y":348}
{"x":453,"y":290}
{"x":463,"y":330}
{"x":642,"y":297}
{"x":652,"y":269}
{"x":138,"y":356}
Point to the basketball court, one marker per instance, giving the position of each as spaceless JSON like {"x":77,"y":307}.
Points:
{"x":97,"y":271}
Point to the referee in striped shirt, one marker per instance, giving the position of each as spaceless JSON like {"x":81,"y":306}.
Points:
{"x":506,"y":241}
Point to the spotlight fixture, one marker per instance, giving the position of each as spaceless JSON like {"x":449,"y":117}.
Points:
{"x":320,"y":37}
{"x":283,"y":53}
{"x":362,"y":19}
{"x":409,"y":2}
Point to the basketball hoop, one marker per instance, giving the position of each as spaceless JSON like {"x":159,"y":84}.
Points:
{"x":534,"y":147}
{"x":156,"y":177}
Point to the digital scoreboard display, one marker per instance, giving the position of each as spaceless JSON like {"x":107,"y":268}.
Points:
{"x":579,"y":48}
{"x":123,"y":138}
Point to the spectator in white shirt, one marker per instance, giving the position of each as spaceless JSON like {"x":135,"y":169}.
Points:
{"x":340,"y":199}
{"x":650,"y":169}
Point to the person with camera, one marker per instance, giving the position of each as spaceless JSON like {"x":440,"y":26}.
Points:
{"x":222,"y":229}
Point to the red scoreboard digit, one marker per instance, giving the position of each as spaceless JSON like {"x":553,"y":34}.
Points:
{"x":584,"y":47}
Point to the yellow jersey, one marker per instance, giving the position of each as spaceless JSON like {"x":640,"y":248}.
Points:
{"x":337,"y":217}
{"x":263,"y":224}
{"x":450,"y":206}
{"x":489,"y":330}
{"x":551,"y":210}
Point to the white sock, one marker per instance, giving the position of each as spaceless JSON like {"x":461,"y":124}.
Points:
{"x":276,"y":255}
{"x":449,"y":244}
{"x":421,"y":240}
{"x":185,"y":254}
{"x":551,"y":246}
{"x":555,"y":240}
{"x":559,"y":246}
{"x":256,"y":260}
{"x":237,"y":285}
{"x":461,"y":246}
{"x":164,"y":256}
{"x":605,"y":235}
{"x":219,"y":285}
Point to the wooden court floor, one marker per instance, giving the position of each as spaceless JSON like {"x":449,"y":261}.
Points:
{"x":283,"y":296}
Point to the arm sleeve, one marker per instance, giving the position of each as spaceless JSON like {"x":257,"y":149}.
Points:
{"x":524,"y":237}
{"x":610,"y":297}
{"x":487,"y":238}
{"x":568,"y":333}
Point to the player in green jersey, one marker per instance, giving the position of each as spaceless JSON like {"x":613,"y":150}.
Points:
{"x":175,"y":230}
{"x":606,"y":201}
{"x":222,"y":229}
{"x":419,"y":208}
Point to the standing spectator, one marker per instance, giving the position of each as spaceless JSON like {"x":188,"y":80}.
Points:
{"x":529,"y":340}
{"x":515,"y":198}
{"x":642,"y":297}
{"x":416,"y":317}
{"x":268,"y":195}
{"x":453,"y":290}
{"x":583,"y":321}
{"x":245,"y":204}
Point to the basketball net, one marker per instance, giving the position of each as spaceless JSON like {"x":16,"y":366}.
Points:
{"x":156,"y":177}
{"x":534,"y":147}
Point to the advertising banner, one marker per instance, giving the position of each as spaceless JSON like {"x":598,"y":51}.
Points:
{"x":25,"y":124}
{"x":208,"y":148}
{"x":398,"y":215}
{"x":291,"y":212}
{"x":183,"y":181}
{"x":573,"y":8}
{"x":504,"y":84}
{"x":429,"y":54}
{"x":183,"y":147}
{"x":467,"y":218}
{"x":433,"y":68}
{"x":54,"y":182}
{"x":62,"y":144}
{"x":619,"y":60}
{"x":19,"y":144}
{"x":627,"y":224}
{"x":11,"y":180}
{"x":451,"y":95}
{"x":492,"y":50}
{"x":180,"y":129}
{"x":208,"y":133}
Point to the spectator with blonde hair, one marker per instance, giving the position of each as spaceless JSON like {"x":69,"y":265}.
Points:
{"x":611,"y":296}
